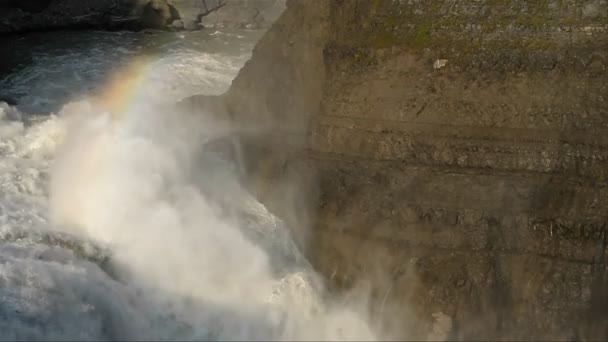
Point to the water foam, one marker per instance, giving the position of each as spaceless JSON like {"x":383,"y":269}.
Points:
{"x":132,"y":228}
{"x":187,"y":252}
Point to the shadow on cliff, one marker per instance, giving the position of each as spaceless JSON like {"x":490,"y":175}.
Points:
{"x":564,"y":193}
{"x":31,"y":6}
{"x":569,"y":216}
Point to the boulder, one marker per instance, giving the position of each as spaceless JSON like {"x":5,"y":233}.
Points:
{"x":177,"y":24}
{"x":156,"y":14}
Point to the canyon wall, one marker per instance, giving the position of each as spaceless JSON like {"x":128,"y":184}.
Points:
{"x":454,"y":152}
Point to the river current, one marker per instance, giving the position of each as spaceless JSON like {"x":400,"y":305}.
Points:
{"x":116,"y":221}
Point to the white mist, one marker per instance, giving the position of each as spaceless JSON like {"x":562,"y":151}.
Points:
{"x":184,"y":233}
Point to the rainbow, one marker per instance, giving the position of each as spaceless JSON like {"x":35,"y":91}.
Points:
{"x":123,"y":87}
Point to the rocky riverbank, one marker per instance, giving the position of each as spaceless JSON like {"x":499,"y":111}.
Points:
{"x":460,"y":154}
{"x":43,"y":15}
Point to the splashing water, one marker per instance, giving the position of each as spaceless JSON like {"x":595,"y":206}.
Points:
{"x":129,"y":227}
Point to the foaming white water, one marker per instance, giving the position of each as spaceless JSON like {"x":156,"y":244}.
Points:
{"x":187,"y":252}
{"x":25,"y":156}
{"x":134,"y":229}
{"x":197,"y":73}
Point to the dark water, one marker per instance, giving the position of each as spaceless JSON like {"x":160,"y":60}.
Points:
{"x":42,"y":71}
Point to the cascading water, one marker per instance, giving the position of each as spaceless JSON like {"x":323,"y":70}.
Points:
{"x":127,"y":227}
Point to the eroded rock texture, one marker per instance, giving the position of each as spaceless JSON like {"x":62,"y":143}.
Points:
{"x":461,"y":155}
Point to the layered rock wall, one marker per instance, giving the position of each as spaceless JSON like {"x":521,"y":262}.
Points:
{"x":460,"y":149}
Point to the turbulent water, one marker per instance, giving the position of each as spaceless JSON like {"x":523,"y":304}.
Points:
{"x":127,"y":226}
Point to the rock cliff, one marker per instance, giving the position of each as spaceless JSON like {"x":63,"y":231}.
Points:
{"x":459,"y":151}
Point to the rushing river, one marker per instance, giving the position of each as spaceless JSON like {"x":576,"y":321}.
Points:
{"x":117,"y":223}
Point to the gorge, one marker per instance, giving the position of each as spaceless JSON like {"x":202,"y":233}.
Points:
{"x":459,"y":156}
{"x":442,"y":160}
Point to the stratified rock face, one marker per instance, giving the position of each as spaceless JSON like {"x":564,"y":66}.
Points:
{"x":275,"y":94}
{"x":462,"y":154}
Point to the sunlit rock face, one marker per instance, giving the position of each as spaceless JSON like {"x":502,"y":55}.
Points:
{"x":460,"y":153}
